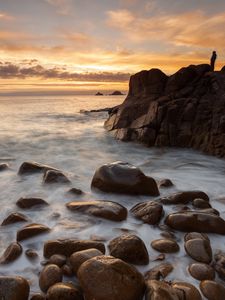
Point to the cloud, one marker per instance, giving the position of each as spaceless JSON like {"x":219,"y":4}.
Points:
{"x":5,"y":17}
{"x":63,"y":7}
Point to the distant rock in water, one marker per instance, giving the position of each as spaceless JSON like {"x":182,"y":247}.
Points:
{"x":99,"y":94}
{"x":182,"y":110}
{"x":117,"y":93}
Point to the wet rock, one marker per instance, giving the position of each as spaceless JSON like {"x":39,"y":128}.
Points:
{"x":13,"y":251}
{"x":30,"y":202}
{"x":69,"y":246}
{"x":50,"y":275}
{"x":168,"y":235}
{"x":78,"y":258}
{"x":31,"y":254}
{"x":67,"y":270}
{"x":65,"y":291}
{"x":103,"y":209}
{"x":124,"y":178}
{"x":75,"y":191}
{"x":196,"y":221}
{"x":14,"y":218}
{"x":212,"y":211}
{"x":52,"y":176}
{"x":201,"y":271}
{"x":37,"y":297}
{"x":200,"y":203}
{"x":199,"y":249}
{"x":58,"y":260}
{"x":149,"y":212}
{"x":159,"y":272}
{"x":187,"y":291}
{"x":130,"y":248}
{"x":14,"y":288}
{"x":33,"y":167}
{"x":165,"y":245}
{"x":4,"y":167}
{"x":219,"y":264}
{"x":31,"y":230}
{"x":127,"y":282}
{"x":165,"y":183}
{"x":157,"y":290}
{"x":212,"y":290}
{"x":184,"y":197}
{"x":196,"y":235}
{"x":160,"y":257}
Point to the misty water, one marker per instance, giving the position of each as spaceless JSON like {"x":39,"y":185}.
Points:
{"x":51,"y":130}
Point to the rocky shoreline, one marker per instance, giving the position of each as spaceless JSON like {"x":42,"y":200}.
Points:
{"x":100,"y":269}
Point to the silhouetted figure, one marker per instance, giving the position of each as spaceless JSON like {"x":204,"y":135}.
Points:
{"x":213,"y":60}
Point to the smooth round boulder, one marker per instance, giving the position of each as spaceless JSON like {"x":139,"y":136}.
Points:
{"x":188,"y":291}
{"x":165,"y":183}
{"x":13,"y":251}
{"x":4,"y":167}
{"x":52,"y":176}
{"x":50,"y":275}
{"x":196,"y":235}
{"x":184,"y":197}
{"x":201,"y":271}
{"x":200,"y":203}
{"x":14,"y":218}
{"x":26,"y":203}
{"x":130,"y":248}
{"x":31,"y":230}
{"x":31,"y":254}
{"x":123,"y":178}
{"x":58,"y":260}
{"x":102,"y":209}
{"x":65,"y":291}
{"x":37,"y":297}
{"x":67,"y":270}
{"x":219,"y":264}
{"x":165,"y":245}
{"x":75,"y":191}
{"x":149,"y":212}
{"x":106,"y":277}
{"x":212,"y":290}
{"x":14,"y":288}
{"x":199,"y":249}
{"x":159,"y":272}
{"x":78,"y":258}
{"x":160,"y":290}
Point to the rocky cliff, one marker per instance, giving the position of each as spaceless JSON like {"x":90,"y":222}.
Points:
{"x":186,"y":109}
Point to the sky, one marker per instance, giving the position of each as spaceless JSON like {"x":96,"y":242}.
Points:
{"x":72,"y":46}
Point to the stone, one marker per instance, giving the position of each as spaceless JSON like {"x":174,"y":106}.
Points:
{"x":130,"y":248}
{"x":199,"y":249}
{"x":212,"y":290}
{"x":13,"y":251}
{"x":196,"y":221}
{"x":159,"y":272}
{"x":106,"y":277}
{"x":149,"y":212}
{"x":201,"y":271}
{"x":79,"y":257}
{"x":31,"y":167}
{"x":31,"y":254}
{"x":67,"y":270}
{"x":31,"y":230}
{"x":50,"y":275}
{"x":102,"y":209}
{"x":65,"y":291}
{"x":58,"y":260}
{"x":37,"y":297}
{"x":52,"y":176}
{"x":165,"y":183}
{"x":165,"y":245}
{"x":219,"y":264}
{"x":30,"y":202}
{"x":75,"y":191}
{"x":123,"y":178}
{"x":14,"y":218}
{"x":200,"y":203}
{"x":196,"y":235}
{"x":68,"y":246}
{"x":14,"y":288}
{"x":4,"y":167}
{"x":184,"y":197}
{"x":160,"y":290}
{"x":187,"y":291}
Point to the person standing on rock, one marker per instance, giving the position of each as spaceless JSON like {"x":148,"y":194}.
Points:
{"x":213,"y":60}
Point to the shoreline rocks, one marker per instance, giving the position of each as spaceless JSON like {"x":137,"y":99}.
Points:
{"x":14,"y":288}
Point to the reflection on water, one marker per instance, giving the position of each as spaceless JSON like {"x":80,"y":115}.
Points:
{"x":52,"y":131}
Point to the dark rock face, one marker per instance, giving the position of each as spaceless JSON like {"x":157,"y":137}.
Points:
{"x":103,"y":209}
{"x":183,"y":110}
{"x":130,"y":248}
{"x":4,"y":167}
{"x":184,"y":197}
{"x":106,"y":277}
{"x":68,"y":247}
{"x":14,"y":218}
{"x":196,"y":221}
{"x":65,"y":291}
{"x":32,"y":167}
{"x":149,"y":212}
{"x":14,"y":288}
{"x":11,"y":253}
{"x":54,"y":176}
{"x":123,"y":178}
{"x":165,"y":183}
{"x":31,"y":230}
{"x":30,"y":202}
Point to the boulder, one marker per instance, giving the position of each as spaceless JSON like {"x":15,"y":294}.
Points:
{"x":184,"y":197}
{"x":58,"y":260}
{"x":79,"y":257}
{"x":149,"y":212}
{"x":196,"y":221}
{"x":157,"y":290}
{"x":187,"y":291}
{"x":37,"y":297}
{"x":159,"y":272}
{"x":31,"y":254}
{"x":69,"y":246}
{"x":53,"y":176}
{"x":165,"y":183}
{"x":196,"y":235}
{"x":106,"y":277}
{"x":212,"y":290}
{"x":13,"y":251}
{"x":31,"y":230}
{"x":123,"y":178}
{"x":103,"y":209}
{"x":219,"y":264}
{"x":199,"y":249}
{"x":200,"y":203}
{"x":75,"y":191}
{"x":14,"y":288}
{"x":165,"y":245}
{"x":201,"y":271}
{"x":30,"y":202}
{"x":3,"y":167}
{"x":50,"y":275}
{"x":32,"y":167}
{"x":14,"y":218}
{"x":65,"y":291}
{"x":130,"y":248}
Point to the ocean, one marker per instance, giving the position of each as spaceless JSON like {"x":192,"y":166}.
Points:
{"x":51,"y":130}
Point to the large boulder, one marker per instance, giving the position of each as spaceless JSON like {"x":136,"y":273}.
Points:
{"x":123,"y":178}
{"x":106,"y":277}
{"x":14,"y":288}
{"x":31,"y":167}
{"x":55,"y":176}
{"x":199,"y":249}
{"x":103,"y":209}
{"x":149,"y":212}
{"x":50,"y":275}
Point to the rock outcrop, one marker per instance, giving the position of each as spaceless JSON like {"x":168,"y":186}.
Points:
{"x":182,"y":110}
